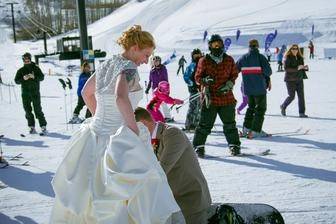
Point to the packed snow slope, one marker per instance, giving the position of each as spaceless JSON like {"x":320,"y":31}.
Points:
{"x":298,"y":177}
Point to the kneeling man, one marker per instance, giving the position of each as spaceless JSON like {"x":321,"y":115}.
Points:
{"x":179,"y":161}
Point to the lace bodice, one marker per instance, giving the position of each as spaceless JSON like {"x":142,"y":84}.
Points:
{"x":107,"y":117}
{"x":107,"y":73}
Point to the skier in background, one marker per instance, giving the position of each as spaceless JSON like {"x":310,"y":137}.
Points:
{"x":194,"y":101}
{"x":29,"y":77}
{"x":311,"y":49}
{"x":181,"y":63}
{"x":160,"y":95}
{"x":157,"y":74}
{"x":83,"y":77}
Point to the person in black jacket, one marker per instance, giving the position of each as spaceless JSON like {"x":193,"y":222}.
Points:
{"x":29,"y":77}
{"x":295,"y":73}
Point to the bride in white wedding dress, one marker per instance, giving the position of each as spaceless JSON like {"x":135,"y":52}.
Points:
{"x":109,"y":173}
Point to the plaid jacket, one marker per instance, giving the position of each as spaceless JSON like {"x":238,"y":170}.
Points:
{"x":222,"y":72}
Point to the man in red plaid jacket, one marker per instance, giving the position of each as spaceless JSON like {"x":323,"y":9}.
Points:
{"x":216,"y":74}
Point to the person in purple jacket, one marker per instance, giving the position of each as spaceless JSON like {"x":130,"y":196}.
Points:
{"x":244,"y":97}
{"x":157,"y":74}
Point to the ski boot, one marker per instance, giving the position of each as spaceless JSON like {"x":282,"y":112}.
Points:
{"x":200,"y":151}
{"x":32,"y":130}
{"x":244,"y":132}
{"x":234,"y":150}
{"x":169,"y":120}
{"x":43,"y":131}
{"x":261,"y":134}
{"x":75,"y":120}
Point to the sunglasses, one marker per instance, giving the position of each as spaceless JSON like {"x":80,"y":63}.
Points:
{"x":295,"y":48}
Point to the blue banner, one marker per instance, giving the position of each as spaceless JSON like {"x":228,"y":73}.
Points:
{"x":227,"y":43}
{"x":205,"y":34}
{"x":170,"y":59}
{"x":270,"y":37}
{"x":237,"y":34}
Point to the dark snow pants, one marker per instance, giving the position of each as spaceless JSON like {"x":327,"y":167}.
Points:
{"x":292,"y":87}
{"x":255,"y":113}
{"x":79,"y":107}
{"x":27,"y":101}
{"x":208,"y":117}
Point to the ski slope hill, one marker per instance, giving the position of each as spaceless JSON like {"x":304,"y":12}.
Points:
{"x":176,"y":20}
{"x":298,"y":177}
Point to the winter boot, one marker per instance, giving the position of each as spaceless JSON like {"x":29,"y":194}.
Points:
{"x":169,"y":120}
{"x":43,"y":130}
{"x":200,"y":151}
{"x":283,"y":110}
{"x":234,"y":150}
{"x":302,"y":115}
{"x":244,"y":132}
{"x":75,"y":119}
{"x":261,"y":134}
{"x":32,"y":130}
{"x":3,"y":162}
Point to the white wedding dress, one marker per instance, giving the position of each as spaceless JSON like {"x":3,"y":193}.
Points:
{"x":109,"y":174}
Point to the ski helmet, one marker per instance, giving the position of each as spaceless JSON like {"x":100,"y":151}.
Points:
{"x":218,"y":51}
{"x":156,"y":58}
{"x":164,"y":87}
{"x":26,"y":55}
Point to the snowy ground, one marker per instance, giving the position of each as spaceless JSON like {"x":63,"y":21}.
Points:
{"x":298,"y":177}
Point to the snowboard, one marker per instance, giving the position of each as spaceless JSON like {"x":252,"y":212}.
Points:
{"x":244,"y":213}
{"x":238,"y":213}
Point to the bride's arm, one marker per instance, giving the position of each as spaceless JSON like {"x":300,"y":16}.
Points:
{"x":124,"y":104}
{"x":88,"y":94}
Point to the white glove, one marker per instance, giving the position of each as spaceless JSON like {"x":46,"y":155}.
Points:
{"x":26,"y":77}
{"x":32,"y":76}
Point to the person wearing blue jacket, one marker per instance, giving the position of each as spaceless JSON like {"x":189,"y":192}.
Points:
{"x":193,"y":114}
{"x":256,"y":72}
{"x":83,"y":77}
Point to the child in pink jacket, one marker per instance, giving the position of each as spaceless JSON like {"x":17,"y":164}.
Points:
{"x":161,"y":94}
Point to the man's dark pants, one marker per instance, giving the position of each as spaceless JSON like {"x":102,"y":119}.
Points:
{"x":33,"y":99}
{"x":208,"y":118}
{"x":255,"y":113}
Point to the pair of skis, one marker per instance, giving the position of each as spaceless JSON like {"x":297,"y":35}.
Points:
{"x":299,"y":131}
{"x":263,"y":152}
{"x":4,"y":163}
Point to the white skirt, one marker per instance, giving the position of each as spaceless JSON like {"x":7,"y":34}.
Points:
{"x":111,"y":180}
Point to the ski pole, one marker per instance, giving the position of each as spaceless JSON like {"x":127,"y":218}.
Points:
{"x":146,"y":93}
{"x":1,"y":91}
{"x":10,"y":94}
{"x":65,"y":107}
{"x":191,"y":99}
{"x":69,"y":84}
{"x":188,"y":99}
{"x":14,"y":91}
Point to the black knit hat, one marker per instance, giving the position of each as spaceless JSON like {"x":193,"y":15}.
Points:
{"x":26,"y":55}
{"x":196,"y":51}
